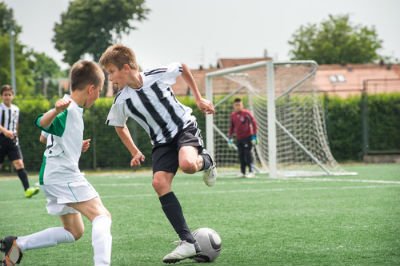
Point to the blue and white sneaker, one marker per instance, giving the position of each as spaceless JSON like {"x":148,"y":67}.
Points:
{"x":210,"y":174}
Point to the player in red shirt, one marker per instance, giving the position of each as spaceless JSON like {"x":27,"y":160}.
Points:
{"x":244,"y":127}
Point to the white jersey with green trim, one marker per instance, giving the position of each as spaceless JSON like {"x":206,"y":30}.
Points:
{"x":64,"y":146}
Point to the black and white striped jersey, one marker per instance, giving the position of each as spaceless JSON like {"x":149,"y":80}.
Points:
{"x":9,"y":117}
{"x":154,"y":105}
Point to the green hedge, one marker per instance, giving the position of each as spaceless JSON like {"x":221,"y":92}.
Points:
{"x":106,"y":151}
{"x":343,"y":119}
{"x":344,"y":124}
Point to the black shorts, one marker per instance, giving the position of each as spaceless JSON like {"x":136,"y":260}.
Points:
{"x":10,"y":148}
{"x":165,"y":157}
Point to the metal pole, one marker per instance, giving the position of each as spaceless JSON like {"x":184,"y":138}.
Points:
{"x":271,"y":120}
{"x":209,"y":119}
{"x":12,"y":62}
{"x":364,"y":119}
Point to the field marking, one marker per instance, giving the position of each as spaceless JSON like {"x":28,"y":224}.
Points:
{"x":211,"y":191}
{"x":324,"y":179}
{"x":252,"y":190}
{"x":241,"y":181}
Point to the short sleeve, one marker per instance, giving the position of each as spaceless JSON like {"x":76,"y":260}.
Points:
{"x":117,"y":117}
{"x":57,"y":127}
{"x":173,"y":71}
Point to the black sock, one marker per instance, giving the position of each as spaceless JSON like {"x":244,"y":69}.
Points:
{"x":23,"y":176}
{"x":206,"y":161}
{"x":173,"y":211}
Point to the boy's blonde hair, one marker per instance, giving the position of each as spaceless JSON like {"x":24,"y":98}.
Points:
{"x":85,"y":73}
{"x":118,"y":55}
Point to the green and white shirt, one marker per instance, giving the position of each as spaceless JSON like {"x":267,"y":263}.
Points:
{"x":64,"y":146}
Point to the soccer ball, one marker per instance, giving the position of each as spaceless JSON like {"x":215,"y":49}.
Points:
{"x":210,"y":244}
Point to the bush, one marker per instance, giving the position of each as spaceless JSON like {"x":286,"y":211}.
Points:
{"x":343,"y":118}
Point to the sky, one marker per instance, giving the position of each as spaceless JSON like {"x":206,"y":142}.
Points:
{"x":198,"y":32}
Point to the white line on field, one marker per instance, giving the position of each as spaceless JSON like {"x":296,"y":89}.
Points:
{"x":213,"y":191}
{"x":324,"y":179}
{"x":251,"y":190}
{"x":236,"y":181}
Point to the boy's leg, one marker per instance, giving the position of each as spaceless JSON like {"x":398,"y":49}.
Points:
{"x":193,"y":157}
{"x":16,"y":158}
{"x":22,"y":174}
{"x":13,"y":247}
{"x":170,"y":205}
{"x":72,"y":230}
{"x":187,"y":248}
{"x":249,"y":159}
{"x":191,"y":161}
{"x":242,"y":159}
{"x":95,"y":211}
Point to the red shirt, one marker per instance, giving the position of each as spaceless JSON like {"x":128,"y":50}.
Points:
{"x":243,"y":124}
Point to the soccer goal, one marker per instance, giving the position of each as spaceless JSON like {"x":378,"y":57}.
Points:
{"x":291,"y":126}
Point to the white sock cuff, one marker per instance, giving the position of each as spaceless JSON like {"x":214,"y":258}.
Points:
{"x":103,"y":219}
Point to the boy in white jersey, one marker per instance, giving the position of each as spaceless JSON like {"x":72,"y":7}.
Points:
{"x":68,"y":192}
{"x":148,"y":98}
{"x":9,"y":146}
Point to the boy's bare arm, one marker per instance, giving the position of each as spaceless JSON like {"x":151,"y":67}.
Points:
{"x":204,"y":105}
{"x":49,"y":117}
{"x":8,"y":133}
{"x":42,"y":139}
{"x":126,"y":138}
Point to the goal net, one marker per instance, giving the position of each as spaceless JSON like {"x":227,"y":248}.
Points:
{"x":288,"y":110}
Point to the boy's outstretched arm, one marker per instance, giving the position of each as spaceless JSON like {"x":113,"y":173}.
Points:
{"x":126,"y":138}
{"x":49,"y":117}
{"x":204,"y":105}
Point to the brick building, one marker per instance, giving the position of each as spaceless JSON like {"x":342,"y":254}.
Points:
{"x":337,"y":80}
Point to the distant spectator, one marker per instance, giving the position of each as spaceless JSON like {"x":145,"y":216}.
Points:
{"x":9,"y":118}
{"x":244,"y":127}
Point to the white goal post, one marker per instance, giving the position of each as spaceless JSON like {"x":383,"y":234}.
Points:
{"x":295,"y":143}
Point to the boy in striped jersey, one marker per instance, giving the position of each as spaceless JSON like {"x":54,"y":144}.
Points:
{"x":9,"y":116}
{"x":67,"y":191}
{"x":148,"y":98}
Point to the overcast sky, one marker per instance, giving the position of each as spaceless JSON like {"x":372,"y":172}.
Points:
{"x":199,"y":32}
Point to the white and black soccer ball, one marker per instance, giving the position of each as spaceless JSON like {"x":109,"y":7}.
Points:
{"x":210,"y":244}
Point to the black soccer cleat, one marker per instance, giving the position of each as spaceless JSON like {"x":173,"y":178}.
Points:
{"x":12,"y":253}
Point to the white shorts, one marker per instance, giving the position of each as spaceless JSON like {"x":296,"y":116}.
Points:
{"x":58,"y":195}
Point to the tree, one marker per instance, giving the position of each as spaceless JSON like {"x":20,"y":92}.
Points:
{"x":7,"y":21}
{"x":23,"y":73}
{"x":90,"y":26}
{"x":46,"y":73}
{"x":336,"y":41}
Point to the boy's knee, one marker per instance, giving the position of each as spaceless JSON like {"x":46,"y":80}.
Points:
{"x":76,"y":232}
{"x":161,"y":186}
{"x":108,"y":214}
{"x":18,"y":164}
{"x":158,"y":184}
{"x":188,"y":167}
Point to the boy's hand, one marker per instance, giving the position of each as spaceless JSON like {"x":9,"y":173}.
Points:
{"x":205,"y":106}
{"x":137,"y":159}
{"x":254,"y":140}
{"x":9,"y":134}
{"x":230,"y":144}
{"x":85,"y":145}
{"x":61,"y":105}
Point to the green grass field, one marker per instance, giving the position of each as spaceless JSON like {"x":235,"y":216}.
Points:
{"x":301,"y":221}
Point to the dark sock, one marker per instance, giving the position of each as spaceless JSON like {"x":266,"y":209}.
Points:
{"x":173,"y":211}
{"x":23,"y":176}
{"x":206,"y":161}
